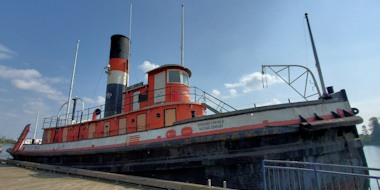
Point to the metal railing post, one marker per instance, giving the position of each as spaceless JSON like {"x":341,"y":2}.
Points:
{"x":316,"y":176}
{"x":265,"y":181}
{"x":195,"y":92}
{"x":100,"y":115}
{"x":330,"y":177}
{"x":51,"y":120}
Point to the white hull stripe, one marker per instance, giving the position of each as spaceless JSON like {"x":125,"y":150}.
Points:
{"x":281,"y":117}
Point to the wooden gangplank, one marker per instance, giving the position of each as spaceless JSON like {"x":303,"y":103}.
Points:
{"x":139,"y":182}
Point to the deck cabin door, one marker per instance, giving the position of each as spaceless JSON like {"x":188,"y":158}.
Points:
{"x":106,"y":131}
{"x":48,"y":136}
{"x":136,"y":103}
{"x":141,"y":122}
{"x":170,"y":117}
{"x":64,"y":135}
{"x":159,"y":87}
{"x":91,"y":131}
{"x":122,"y":126}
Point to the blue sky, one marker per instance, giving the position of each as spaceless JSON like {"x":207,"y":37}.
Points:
{"x":226,"y":42}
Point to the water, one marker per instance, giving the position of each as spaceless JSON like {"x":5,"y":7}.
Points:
{"x":372,"y":154}
{"x":4,"y":154}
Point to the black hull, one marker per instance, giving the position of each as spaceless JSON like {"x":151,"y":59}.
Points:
{"x":234,"y":157}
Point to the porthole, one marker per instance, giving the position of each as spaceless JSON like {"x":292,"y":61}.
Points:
{"x":158,"y":115}
{"x":133,"y":120}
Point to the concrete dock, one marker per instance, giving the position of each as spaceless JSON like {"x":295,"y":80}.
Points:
{"x":13,"y":177}
{"x":28,"y":175}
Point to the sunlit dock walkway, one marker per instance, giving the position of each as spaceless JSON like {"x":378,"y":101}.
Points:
{"x":34,"y":176}
{"x":13,"y":177}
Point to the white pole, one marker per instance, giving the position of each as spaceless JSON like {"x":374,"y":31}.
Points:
{"x":72,"y":83}
{"x":130,"y":24}
{"x":35,"y":129}
{"x":182,"y":36}
{"x":130,"y":38}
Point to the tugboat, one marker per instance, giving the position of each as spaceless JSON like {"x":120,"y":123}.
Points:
{"x":160,"y":130}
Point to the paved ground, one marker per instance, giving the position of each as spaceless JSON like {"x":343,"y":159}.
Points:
{"x":12,"y":177}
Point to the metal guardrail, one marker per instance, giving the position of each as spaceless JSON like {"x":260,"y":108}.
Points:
{"x":195,"y":94}
{"x":206,"y":98}
{"x":305,"y":175}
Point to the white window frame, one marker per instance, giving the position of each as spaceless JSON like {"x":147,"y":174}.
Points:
{"x":181,"y":73}
{"x":188,"y":78}
{"x":180,"y":79}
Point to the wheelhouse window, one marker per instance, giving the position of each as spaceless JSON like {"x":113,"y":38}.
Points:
{"x":178,"y":76}
{"x":174,"y":77}
{"x":185,"y":78}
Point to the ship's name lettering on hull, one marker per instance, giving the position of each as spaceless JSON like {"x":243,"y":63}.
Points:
{"x":210,"y":125}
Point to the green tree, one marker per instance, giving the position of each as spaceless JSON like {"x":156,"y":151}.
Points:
{"x":365,"y":137}
{"x":374,"y":128}
{"x":364,"y":130}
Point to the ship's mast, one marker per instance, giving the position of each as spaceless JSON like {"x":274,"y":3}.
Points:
{"x":316,"y":58}
{"x":182,"y":36}
{"x":72,"y":83}
{"x":130,"y":38}
{"x":35,"y":129}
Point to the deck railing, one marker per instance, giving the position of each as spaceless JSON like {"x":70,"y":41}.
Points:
{"x":305,"y":175}
{"x":196,"y":95}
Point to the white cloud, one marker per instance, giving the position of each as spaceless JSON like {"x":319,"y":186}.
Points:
{"x":253,"y":82}
{"x":6,"y":53}
{"x":147,"y":66}
{"x":272,"y":102}
{"x":53,"y":80}
{"x":99,"y":101}
{"x":11,"y":115}
{"x":88,"y":100}
{"x":4,"y":49}
{"x":215,"y":92}
{"x":10,"y":73}
{"x":32,"y":107}
{"x":5,"y":56}
{"x":31,"y":79}
{"x":233,"y":92}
